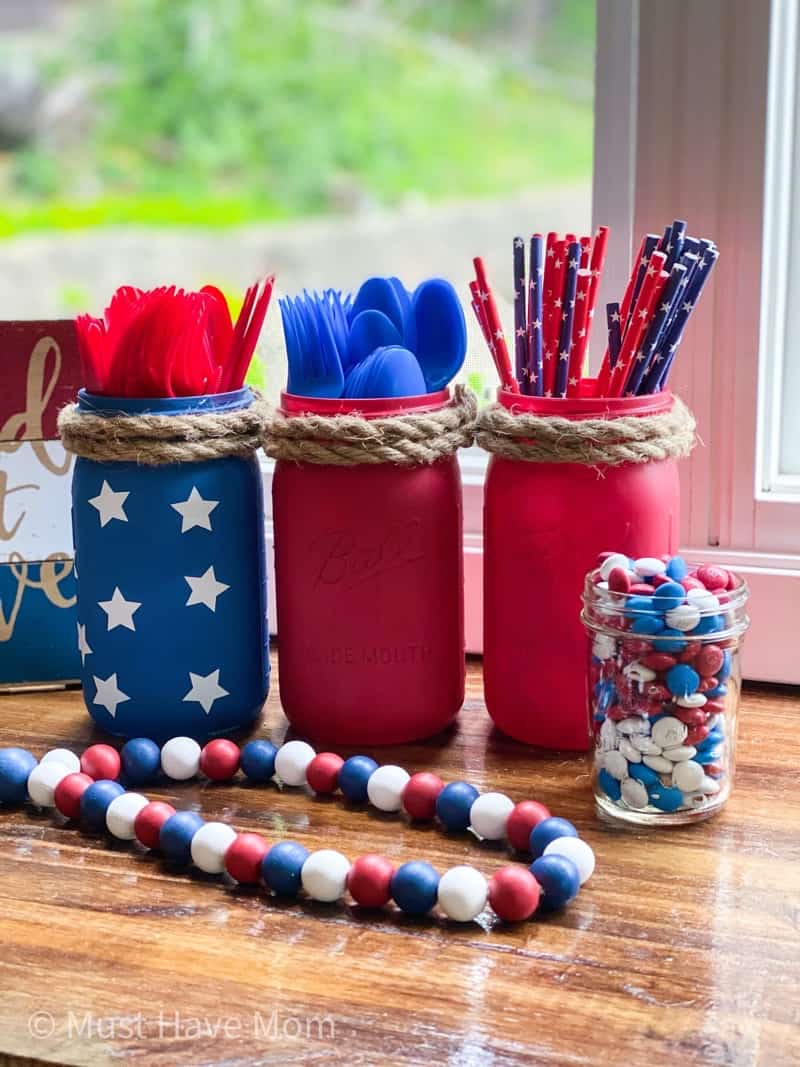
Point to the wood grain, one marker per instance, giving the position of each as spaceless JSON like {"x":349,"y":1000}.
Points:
{"x":684,"y":948}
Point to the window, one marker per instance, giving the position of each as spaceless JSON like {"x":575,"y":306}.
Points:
{"x":710,"y":109}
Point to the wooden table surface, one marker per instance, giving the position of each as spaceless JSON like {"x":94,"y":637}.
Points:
{"x":684,"y":947}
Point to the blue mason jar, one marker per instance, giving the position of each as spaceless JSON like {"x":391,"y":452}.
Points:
{"x":171,"y":584}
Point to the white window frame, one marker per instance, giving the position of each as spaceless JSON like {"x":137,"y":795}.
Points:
{"x":703,"y":82}
{"x":681,"y":99}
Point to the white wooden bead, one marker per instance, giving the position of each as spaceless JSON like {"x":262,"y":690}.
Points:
{"x":634,"y":793}
{"x":209,"y":846}
{"x":658,"y":764}
{"x":608,"y":736}
{"x":604,"y":646}
{"x":180,"y":758}
{"x":292,"y":760}
{"x":462,"y":893}
{"x":634,"y":725}
{"x":121,"y":814}
{"x":646,"y":745}
{"x":63,"y":755}
{"x":576,"y":850}
{"x":42,"y":782}
{"x":669,"y":732}
{"x":324,"y":875}
{"x":682,"y":752}
{"x":385,"y":787}
{"x":616,"y":765}
{"x":489,"y":815}
{"x":704,"y":600}
{"x":649,"y":566}
{"x":629,"y":751}
{"x":692,"y":700}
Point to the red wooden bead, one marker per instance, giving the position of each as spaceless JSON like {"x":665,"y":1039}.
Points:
{"x":513,"y":894}
{"x":689,"y":653}
{"x":641,"y":589}
{"x":101,"y":761}
{"x":68,"y":793}
{"x":713,"y":577}
{"x":322,"y":772}
{"x":714,"y":770}
{"x":244,"y":856}
{"x":147,"y":824}
{"x":715,"y":707}
{"x":733,"y":581}
{"x":369,"y":880}
{"x":420,"y":793}
{"x":219,"y":759}
{"x":619,"y":581}
{"x":523,"y":818}
{"x":660,"y":579}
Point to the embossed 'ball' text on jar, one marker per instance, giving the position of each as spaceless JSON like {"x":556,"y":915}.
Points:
{"x":369,"y":583}
{"x":663,"y":703}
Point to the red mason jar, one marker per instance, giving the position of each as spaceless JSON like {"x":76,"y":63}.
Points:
{"x":369,"y":587}
{"x":544,"y":526}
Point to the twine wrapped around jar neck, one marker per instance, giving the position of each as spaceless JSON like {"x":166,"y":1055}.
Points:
{"x":154,"y":440}
{"x":594,"y":441}
{"x":407,"y":440}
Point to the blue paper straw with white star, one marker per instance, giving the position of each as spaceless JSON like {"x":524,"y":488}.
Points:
{"x":674,"y":248}
{"x":670,"y":297}
{"x":658,"y":373}
{"x":614,"y":333}
{"x":520,"y":321}
{"x":650,"y":243}
{"x":573,"y":254}
{"x":535,"y":316}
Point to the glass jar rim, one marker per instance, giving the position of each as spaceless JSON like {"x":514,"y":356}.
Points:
{"x":602,"y":606}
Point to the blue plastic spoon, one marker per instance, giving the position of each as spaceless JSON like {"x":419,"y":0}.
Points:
{"x":370,"y":330}
{"x":392,"y":371}
{"x":409,"y":326}
{"x":441,"y":332}
{"x":379,"y":294}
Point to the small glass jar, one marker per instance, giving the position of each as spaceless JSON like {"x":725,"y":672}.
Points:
{"x":664,"y":679}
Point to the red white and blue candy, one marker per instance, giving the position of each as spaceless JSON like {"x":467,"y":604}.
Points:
{"x":662,"y":654}
{"x":88,"y":790}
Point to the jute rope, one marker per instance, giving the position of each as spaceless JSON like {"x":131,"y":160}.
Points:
{"x":348,"y":440}
{"x":153,"y":440}
{"x":593,"y":441}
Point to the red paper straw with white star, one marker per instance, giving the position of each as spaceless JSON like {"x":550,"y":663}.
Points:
{"x":604,"y":376}
{"x":498,"y":347}
{"x":654,"y":280}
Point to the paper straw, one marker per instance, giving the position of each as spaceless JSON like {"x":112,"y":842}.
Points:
{"x":675,"y":245}
{"x":606,"y":367}
{"x":571,"y":268}
{"x":520,"y":320}
{"x":535,"y":292}
{"x":498,"y":349}
{"x":596,"y":264}
{"x":614,"y":335}
{"x":656,"y":380}
{"x":670,"y":297}
{"x":650,"y":242}
{"x":640,"y":317}
{"x":580,"y":331}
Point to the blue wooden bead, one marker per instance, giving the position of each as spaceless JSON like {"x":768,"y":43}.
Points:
{"x":415,"y":887}
{"x":610,"y":785}
{"x":548,"y":830}
{"x":719,"y":691}
{"x":670,"y":640}
{"x":354,"y":775}
{"x":669,"y":595}
{"x":711,"y":755}
{"x":646,"y":775}
{"x":258,"y":760}
{"x":15,"y":766}
{"x":453,"y":805}
{"x":677,"y":568}
{"x":665,"y":797}
{"x":282,"y":866}
{"x":175,"y":838}
{"x":95,"y":801}
{"x":681,"y":680}
{"x":559,"y":878}
{"x":141,"y":760}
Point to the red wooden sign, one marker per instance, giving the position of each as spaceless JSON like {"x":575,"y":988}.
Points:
{"x":40,"y":372}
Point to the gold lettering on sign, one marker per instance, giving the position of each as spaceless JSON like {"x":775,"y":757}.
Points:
{"x":52,"y":573}
{"x":38,"y":391}
{"x":5,"y":533}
